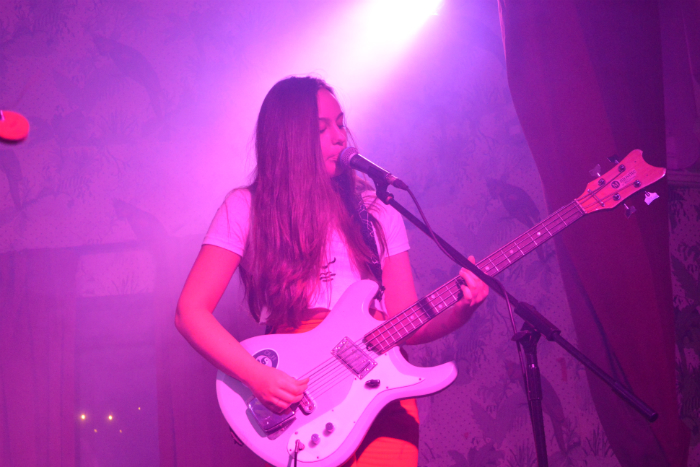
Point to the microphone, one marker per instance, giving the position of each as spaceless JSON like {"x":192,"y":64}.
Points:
{"x":350,"y":158}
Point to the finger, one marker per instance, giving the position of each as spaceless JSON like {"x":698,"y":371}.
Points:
{"x":295,"y":386}
{"x":283,"y":398}
{"x":274,"y":405}
{"x":472,"y":279}
{"x":467,"y":295}
{"x":288,"y":398}
{"x":478,"y":288}
{"x":469,"y":277}
{"x":303,"y":383}
{"x":292,"y":391}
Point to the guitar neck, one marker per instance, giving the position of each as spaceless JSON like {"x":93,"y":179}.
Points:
{"x":396,"y":329}
{"x":531,"y":239}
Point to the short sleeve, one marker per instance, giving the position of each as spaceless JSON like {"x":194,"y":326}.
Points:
{"x":229,"y":228}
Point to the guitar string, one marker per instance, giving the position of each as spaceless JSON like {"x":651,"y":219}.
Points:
{"x":414,"y":313}
{"x":340,"y":372}
{"x":526,"y":240}
{"x":332,"y":380}
{"x":564,"y":215}
{"x":387,"y":331}
{"x":335,"y":379}
{"x":330,"y":383}
{"x":335,"y":365}
{"x":411,"y":314}
{"x":322,"y":370}
{"x":391,"y":324}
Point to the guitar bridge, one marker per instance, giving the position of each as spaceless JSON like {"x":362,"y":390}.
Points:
{"x":353,"y":358}
{"x":273,"y":424}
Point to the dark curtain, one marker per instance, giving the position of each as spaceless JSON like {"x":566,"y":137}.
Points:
{"x":37,"y":341}
{"x":586,"y":81}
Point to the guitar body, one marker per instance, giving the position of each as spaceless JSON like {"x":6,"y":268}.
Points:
{"x":348,"y":401}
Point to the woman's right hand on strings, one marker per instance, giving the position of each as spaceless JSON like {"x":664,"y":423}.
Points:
{"x":275,"y":388}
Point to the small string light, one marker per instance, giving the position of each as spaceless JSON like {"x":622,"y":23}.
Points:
{"x":110,"y":417}
{"x":82,"y":417}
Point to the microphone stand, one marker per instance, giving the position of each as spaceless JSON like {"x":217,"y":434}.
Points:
{"x":533,"y":328}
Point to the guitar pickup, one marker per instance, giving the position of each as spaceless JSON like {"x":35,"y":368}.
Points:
{"x":353,"y":358}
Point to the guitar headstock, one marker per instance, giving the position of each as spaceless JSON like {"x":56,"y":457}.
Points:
{"x":617,"y":184}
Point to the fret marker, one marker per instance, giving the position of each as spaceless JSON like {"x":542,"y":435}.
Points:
{"x":432,"y":296}
{"x":539,"y":233}
{"x":511,"y":252}
{"x":440,"y":305}
{"x":487,"y":267}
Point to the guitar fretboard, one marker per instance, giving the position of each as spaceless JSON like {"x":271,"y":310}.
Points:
{"x":531,"y":239}
{"x":394,"y":330}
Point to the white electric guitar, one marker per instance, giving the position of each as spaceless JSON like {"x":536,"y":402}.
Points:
{"x":354,"y":364}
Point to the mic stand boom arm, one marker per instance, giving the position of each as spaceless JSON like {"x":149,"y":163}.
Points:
{"x":535,"y":324}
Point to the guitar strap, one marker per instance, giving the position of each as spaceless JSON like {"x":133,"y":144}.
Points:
{"x":370,"y":239}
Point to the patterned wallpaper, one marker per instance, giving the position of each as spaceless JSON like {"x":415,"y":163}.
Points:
{"x":142,"y":114}
{"x":685,"y":258}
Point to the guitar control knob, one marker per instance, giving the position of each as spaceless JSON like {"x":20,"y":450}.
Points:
{"x":329,"y":428}
{"x":315,"y":439}
{"x":372,"y":384}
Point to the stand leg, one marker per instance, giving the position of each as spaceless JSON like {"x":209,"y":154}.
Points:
{"x":533,"y":387}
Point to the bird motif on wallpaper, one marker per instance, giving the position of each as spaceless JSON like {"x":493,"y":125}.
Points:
{"x":496,"y":427}
{"x":517,"y":203}
{"x":515,"y":200}
{"x":134,"y":65}
{"x":145,"y":225}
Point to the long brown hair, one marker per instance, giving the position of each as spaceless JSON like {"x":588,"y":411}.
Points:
{"x":295,"y":206}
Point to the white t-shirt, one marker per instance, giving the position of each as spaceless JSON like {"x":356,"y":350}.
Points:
{"x":229,"y":230}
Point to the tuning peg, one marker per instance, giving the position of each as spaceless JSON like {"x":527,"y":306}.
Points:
{"x":595,"y":171}
{"x":614,"y":159}
{"x":649,"y":197}
{"x":629,"y":210}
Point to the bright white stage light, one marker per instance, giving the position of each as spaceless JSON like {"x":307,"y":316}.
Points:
{"x":392,"y":22}
{"x":375,"y":36}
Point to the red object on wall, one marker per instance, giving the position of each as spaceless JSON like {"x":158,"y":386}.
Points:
{"x":13,"y":126}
